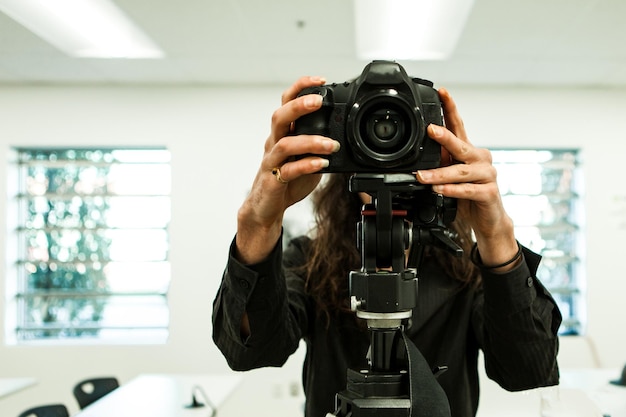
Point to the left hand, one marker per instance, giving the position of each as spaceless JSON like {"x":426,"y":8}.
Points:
{"x":472,"y":180}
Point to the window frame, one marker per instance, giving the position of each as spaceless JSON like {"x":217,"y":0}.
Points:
{"x":575,"y":310}
{"x":16,"y":281}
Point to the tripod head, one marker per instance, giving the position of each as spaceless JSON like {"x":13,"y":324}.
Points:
{"x":403,"y":214}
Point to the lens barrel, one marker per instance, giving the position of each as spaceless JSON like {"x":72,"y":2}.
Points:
{"x":385,"y":128}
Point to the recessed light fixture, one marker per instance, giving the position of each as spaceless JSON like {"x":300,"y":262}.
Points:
{"x":83,"y":28}
{"x":409,"y":29}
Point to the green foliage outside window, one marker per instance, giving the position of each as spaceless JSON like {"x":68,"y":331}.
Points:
{"x":80,"y":214}
{"x":541,"y":191}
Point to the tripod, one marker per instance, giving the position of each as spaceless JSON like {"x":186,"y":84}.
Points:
{"x":403,"y":214}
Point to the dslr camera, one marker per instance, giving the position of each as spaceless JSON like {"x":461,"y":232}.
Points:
{"x":380,"y":120}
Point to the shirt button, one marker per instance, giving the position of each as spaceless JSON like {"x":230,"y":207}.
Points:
{"x":244,"y":284}
{"x":529,"y":281}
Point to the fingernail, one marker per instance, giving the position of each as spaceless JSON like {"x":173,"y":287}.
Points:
{"x":317,"y":79}
{"x":334,"y":145}
{"x":435,"y":130}
{"x":424,"y":175}
{"x":320,"y":163}
{"x":312,"y":100}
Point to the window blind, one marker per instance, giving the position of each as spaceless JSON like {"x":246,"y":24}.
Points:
{"x":90,"y":255}
{"x":541,"y":191}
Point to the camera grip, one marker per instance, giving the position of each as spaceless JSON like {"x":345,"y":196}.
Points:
{"x":315,"y":123}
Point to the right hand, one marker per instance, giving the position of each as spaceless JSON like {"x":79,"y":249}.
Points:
{"x":259,"y":219}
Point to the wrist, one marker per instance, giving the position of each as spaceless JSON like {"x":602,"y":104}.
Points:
{"x":507,"y":265}
{"x":255,"y":239}
{"x":497,"y":250}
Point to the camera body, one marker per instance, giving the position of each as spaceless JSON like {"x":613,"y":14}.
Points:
{"x":380,"y":120}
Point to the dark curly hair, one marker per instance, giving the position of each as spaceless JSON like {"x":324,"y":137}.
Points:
{"x":333,"y":252}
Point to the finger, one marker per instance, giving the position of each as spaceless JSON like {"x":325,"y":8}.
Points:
{"x":478,"y":173}
{"x":302,"y":83}
{"x":291,"y":146}
{"x":485,"y":193}
{"x":453,"y":119}
{"x":460,"y":150}
{"x":292,"y":170}
{"x":290,"y":111}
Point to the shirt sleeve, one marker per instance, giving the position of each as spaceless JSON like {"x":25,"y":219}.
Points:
{"x":519,"y":327}
{"x":277,"y":315}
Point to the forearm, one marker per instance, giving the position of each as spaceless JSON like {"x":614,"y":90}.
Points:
{"x":253,"y":324}
{"x":499,"y":250}
{"x":255,"y":239}
{"x":520,"y":325}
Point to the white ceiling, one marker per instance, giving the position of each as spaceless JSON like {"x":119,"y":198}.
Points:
{"x":506,"y":42}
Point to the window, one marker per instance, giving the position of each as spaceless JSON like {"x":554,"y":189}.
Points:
{"x":541,"y":191}
{"x":88,"y":245}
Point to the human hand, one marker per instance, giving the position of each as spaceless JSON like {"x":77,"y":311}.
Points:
{"x":467,"y":174}
{"x":282,"y":179}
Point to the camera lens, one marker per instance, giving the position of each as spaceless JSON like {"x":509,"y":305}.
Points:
{"x":385,"y":130}
{"x":385,"y":127}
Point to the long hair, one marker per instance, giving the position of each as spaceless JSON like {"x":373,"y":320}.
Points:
{"x":333,"y":252}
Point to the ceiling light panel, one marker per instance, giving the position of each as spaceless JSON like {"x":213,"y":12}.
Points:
{"x":83,"y":28}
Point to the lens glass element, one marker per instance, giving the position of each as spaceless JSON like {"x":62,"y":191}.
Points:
{"x":383,"y":129}
{"x":386,"y":130}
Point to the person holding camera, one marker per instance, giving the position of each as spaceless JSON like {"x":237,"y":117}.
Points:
{"x":489,"y":299}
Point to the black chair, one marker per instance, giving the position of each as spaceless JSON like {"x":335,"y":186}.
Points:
{"x":622,"y":380}
{"x":50,"y":410}
{"x":92,"y":389}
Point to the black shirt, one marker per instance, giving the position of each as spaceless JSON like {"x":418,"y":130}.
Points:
{"x":511,"y":317}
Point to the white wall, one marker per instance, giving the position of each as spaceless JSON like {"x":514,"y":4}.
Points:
{"x":216,"y":137}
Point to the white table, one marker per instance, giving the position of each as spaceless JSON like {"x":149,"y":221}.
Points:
{"x":581,"y":392}
{"x":163,"y":395}
{"x":610,"y":399}
{"x":10,"y":386}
